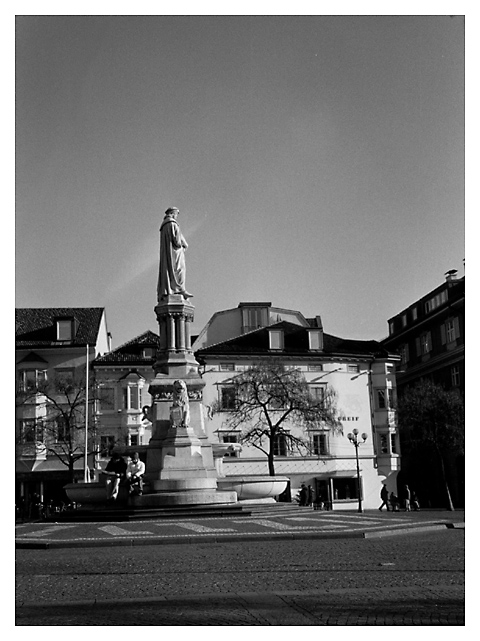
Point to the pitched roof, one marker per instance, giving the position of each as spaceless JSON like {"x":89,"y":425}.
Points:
{"x":295,"y":344}
{"x":36,"y":327}
{"x":131,"y":352}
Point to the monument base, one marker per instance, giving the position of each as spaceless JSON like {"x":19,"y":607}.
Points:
{"x":198,"y":497}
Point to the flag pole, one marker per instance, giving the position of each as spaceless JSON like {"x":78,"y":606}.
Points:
{"x":86,"y":472}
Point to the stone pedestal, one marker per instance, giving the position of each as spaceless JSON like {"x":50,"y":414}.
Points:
{"x":180,"y":468}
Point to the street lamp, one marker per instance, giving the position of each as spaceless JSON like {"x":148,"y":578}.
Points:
{"x":353,"y":438}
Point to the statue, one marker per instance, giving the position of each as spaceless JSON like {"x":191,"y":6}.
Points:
{"x":171,"y":277}
{"x":180,"y":410}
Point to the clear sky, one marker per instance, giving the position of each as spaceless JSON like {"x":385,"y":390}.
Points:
{"x":317,"y":162}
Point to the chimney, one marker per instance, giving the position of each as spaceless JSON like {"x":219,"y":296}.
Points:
{"x":451,"y":275}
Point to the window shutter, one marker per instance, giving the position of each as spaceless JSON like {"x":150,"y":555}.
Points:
{"x":418,"y":346}
{"x":456,"y":325}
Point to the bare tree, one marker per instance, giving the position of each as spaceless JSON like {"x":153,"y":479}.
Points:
{"x":59,"y":424}
{"x":432,"y":419}
{"x":267,"y":398}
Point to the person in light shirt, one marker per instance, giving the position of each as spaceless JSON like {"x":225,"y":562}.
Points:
{"x":135,"y":472}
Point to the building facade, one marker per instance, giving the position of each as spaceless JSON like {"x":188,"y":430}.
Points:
{"x":53,"y":346}
{"x":429,"y":336}
{"x":362,"y":373}
{"x":122,"y":379}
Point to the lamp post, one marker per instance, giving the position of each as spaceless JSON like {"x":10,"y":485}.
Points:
{"x":353,"y":438}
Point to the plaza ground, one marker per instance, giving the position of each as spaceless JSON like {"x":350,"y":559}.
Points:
{"x":410,"y":575}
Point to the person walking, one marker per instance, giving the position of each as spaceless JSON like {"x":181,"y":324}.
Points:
{"x":394,"y":501}
{"x":384,"y":497}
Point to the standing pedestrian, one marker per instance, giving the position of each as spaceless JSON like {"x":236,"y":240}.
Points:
{"x":384,"y":497}
{"x":310,"y":496}
{"x":406,"y":498}
{"x":303,"y":496}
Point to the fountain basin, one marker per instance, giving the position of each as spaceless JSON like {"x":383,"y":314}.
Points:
{"x":93,"y":493}
{"x":250,"y":488}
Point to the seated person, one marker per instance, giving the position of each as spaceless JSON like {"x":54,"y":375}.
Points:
{"x":135,"y":472}
{"x":115,"y":472}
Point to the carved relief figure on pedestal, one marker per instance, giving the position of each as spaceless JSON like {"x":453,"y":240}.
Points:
{"x":171,"y":277}
{"x":180,"y":410}
{"x":147,"y":413}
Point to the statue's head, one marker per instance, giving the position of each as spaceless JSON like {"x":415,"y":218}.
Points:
{"x":172,"y":211}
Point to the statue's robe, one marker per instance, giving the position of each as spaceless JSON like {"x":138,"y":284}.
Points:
{"x":171,"y":277}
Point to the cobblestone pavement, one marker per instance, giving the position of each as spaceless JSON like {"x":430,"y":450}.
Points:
{"x":403,"y":580}
{"x":295,"y":523}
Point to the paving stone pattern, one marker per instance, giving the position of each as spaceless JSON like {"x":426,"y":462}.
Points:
{"x":404,"y":580}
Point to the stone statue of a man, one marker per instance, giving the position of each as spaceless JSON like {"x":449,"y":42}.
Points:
{"x":171,"y":277}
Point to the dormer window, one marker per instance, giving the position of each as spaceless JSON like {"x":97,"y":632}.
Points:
{"x":148,"y":352}
{"x":315,"y":339}
{"x":65,"y":330}
{"x":276,"y":339}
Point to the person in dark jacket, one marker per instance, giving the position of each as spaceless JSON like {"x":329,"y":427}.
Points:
{"x":384,"y":497}
{"x":115,"y":473}
{"x":303,"y":495}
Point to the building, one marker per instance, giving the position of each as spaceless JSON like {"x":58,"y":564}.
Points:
{"x":429,"y":336}
{"x":361,"y":372}
{"x":122,"y":379}
{"x":53,"y":346}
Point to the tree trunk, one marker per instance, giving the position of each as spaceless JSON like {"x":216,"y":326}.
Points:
{"x":71,"y":473}
{"x":445,"y":482}
{"x":271,"y":466}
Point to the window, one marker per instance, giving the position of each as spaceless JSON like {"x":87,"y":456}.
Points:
{"x":393,"y":443}
{"x":455,"y":372}
{"x":31,"y":431}
{"x":106,"y":399}
{"x":381,"y":399}
{"x":148,"y":352}
{"x":276,"y":338}
{"x":64,"y":330}
{"x":315,"y":339}
{"x":230,"y":438}
{"x":424,"y":344}
{"x":404,"y":320}
{"x":65,"y":375}
{"x":227,"y":367}
{"x":62,"y":429}
{"x":353,"y":369}
{"x":414,"y":313}
{"x":131,"y":397}
{"x":315,"y":368}
{"x":280,"y":445}
{"x":391,"y":392}
{"x":320,"y":444}
{"x":404,"y":354}
{"x":391,"y":327}
{"x":254,"y":317}
{"x":31,"y":379}
{"x":227,"y":398}
{"x":107,"y":443}
{"x":383,"y":443}
{"x":134,"y":439}
{"x":317,"y":392}
{"x":344,"y":489}
{"x":436,"y":301}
